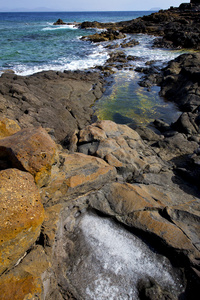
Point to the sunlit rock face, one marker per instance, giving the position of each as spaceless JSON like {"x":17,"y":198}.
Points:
{"x":108,"y":262}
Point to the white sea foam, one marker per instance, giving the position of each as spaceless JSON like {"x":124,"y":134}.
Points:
{"x":144,"y":51}
{"x":124,"y":255}
{"x":97,"y":57}
{"x":58,"y":27}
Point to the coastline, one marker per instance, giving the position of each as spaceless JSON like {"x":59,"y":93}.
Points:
{"x":145,"y":181}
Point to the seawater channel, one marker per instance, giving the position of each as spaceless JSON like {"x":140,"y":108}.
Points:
{"x":125,"y":101}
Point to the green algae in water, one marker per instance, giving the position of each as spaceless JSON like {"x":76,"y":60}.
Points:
{"x":126,"y":102}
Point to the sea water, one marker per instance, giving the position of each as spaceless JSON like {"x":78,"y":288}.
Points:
{"x":30,"y":43}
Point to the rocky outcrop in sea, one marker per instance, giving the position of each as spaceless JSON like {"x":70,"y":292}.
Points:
{"x":92,"y":209}
{"x":177,"y":27}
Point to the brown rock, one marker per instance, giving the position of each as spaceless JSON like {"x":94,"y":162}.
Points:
{"x":170,"y":234}
{"x":21,"y":216}
{"x":8,"y":127}
{"x":78,"y":175}
{"x":91,"y":133}
{"x":121,"y":147}
{"x":141,"y":206}
{"x":24,"y":281}
{"x":122,"y":199}
{"x":104,"y":36}
{"x":32,"y":150}
{"x":187,"y":222}
{"x":20,"y":286}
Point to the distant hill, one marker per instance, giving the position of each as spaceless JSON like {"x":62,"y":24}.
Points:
{"x":23,"y":9}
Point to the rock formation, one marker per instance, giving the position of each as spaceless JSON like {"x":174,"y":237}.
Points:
{"x":105,"y":36}
{"x":40,"y":98}
{"x":178,"y":27}
{"x":118,"y":175}
{"x":59,"y":22}
{"x":97,"y":211}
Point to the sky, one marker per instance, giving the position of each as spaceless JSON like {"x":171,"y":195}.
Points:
{"x":87,"y":5}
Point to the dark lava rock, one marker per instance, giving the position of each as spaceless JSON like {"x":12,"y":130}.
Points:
{"x":129,"y":43}
{"x":59,"y":22}
{"x":186,"y":123}
{"x":178,"y":27}
{"x":181,"y":81}
{"x":60,"y":101}
{"x":104,"y":36}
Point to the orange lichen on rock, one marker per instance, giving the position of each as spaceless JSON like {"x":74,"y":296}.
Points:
{"x":8,"y":127}
{"x":20,"y":286}
{"x":32,"y":150}
{"x":21,"y":215}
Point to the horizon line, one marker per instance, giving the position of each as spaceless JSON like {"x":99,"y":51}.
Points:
{"x":28,"y":11}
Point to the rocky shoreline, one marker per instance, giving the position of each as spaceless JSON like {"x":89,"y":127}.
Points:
{"x":60,"y":172}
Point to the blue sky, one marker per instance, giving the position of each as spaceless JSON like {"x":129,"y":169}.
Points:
{"x":88,"y":5}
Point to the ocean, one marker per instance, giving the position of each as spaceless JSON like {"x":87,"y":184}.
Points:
{"x":30,"y":43}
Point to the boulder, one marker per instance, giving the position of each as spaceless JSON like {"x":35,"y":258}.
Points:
{"x":21,"y":216}
{"x":8,"y":127}
{"x":119,"y":146}
{"x":186,"y":123}
{"x":32,"y":150}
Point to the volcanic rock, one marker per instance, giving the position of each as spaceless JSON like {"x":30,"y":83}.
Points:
{"x":39,"y":99}
{"x":121,"y":147}
{"x":78,"y":174}
{"x":21,"y":216}
{"x":32,"y":150}
{"x":59,"y":22}
{"x":8,"y":127}
{"x":105,"y":36}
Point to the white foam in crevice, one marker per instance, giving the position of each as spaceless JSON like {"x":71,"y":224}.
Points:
{"x":124,"y":255}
